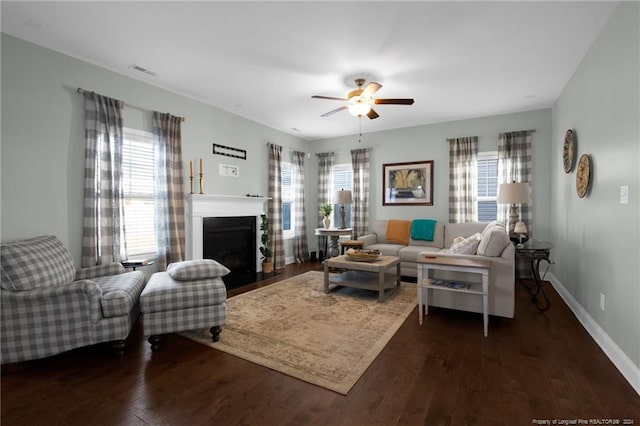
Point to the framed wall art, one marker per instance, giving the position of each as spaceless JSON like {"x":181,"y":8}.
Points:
{"x":229,"y":151}
{"x":407,"y":184}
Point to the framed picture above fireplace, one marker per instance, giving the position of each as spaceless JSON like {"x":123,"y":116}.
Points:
{"x":407,"y":184}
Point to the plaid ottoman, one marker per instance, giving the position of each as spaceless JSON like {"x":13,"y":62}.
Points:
{"x":189,"y":296}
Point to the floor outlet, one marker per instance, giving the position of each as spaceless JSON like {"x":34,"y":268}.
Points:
{"x":602,"y":302}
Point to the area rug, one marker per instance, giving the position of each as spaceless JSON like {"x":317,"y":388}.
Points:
{"x":325,"y":339}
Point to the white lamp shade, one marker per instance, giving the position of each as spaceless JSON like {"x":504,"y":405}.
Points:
{"x":520,"y":228}
{"x":343,"y":197}
{"x":513,"y":193}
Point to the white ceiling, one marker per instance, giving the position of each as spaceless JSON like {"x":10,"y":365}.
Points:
{"x":263,"y":60}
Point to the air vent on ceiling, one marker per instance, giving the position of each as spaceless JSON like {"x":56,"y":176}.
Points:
{"x":143,"y":70}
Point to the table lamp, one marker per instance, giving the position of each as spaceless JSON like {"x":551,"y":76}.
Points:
{"x":520,"y":229}
{"x":513,"y":193}
{"x":343,"y":197}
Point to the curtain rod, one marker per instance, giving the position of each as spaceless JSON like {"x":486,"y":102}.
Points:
{"x":348,"y":151}
{"x":530,"y":131}
{"x":286,"y":148}
{"x":81,"y":91}
{"x":309,"y":153}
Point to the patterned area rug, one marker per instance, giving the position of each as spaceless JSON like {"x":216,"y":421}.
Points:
{"x":325,"y":339}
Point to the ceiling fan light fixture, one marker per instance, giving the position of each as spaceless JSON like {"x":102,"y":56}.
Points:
{"x":360,"y":101}
{"x":359,"y":108}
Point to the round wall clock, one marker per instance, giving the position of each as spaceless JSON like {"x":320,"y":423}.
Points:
{"x":583,"y":175}
{"x":568,"y":151}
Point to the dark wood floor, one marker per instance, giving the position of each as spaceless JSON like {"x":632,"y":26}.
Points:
{"x":534,"y":367}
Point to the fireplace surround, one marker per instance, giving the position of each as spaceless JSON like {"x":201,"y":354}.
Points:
{"x":201,"y":206}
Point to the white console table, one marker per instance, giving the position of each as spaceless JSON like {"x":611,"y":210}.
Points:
{"x":445,"y":263}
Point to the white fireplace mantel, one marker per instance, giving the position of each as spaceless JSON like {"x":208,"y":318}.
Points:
{"x":199,"y":206}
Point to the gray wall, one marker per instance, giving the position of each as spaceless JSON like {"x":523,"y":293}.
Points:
{"x":43,"y":139}
{"x":429,"y":143}
{"x":597,"y":239}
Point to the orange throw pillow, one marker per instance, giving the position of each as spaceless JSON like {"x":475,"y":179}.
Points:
{"x":398,"y":231}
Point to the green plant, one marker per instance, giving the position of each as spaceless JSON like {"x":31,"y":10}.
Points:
{"x":326,"y":209}
{"x":264,"y":227}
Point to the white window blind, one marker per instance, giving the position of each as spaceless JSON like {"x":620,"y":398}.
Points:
{"x":487,"y":186}
{"x":138,"y":187}
{"x":288,"y":215}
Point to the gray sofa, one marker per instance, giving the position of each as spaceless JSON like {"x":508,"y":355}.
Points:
{"x":49,"y":307}
{"x":501,"y":273}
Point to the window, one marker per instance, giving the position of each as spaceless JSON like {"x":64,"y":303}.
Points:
{"x":288,"y":215}
{"x":138,"y":188}
{"x":487,"y":186}
{"x":342,"y":179}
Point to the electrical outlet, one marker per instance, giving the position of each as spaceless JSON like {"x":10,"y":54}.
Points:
{"x":227,"y":170}
{"x":602,"y":302}
{"x":624,"y":194}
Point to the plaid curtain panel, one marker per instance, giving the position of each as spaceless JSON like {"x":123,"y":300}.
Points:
{"x":275,"y":205}
{"x":169,"y":189}
{"x":515,"y":164}
{"x":300,"y":248}
{"x":103,"y":213}
{"x":360,"y":159}
{"x":463,"y":158}
{"x":325,"y":176}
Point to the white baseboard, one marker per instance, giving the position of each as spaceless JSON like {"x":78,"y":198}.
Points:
{"x":623,"y":363}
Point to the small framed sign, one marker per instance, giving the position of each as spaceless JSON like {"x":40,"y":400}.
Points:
{"x":229,"y":151}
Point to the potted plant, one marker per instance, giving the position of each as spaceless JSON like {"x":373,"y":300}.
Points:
{"x":267,"y":262}
{"x":325,"y":211}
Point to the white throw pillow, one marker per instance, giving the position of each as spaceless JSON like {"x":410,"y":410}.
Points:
{"x":466,"y":245}
{"x":489,"y":226}
{"x":493,"y":241}
{"x":458,"y":240}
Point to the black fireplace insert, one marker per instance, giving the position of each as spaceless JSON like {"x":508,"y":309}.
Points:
{"x":232,"y":242}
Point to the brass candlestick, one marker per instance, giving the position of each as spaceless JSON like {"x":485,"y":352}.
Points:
{"x":191,"y":184}
{"x":202,"y":192}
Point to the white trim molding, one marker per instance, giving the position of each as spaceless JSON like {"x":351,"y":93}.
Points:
{"x":199,"y":206}
{"x":622,"y":362}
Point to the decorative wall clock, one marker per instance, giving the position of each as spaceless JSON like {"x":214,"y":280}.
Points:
{"x":569,"y":151}
{"x":583,"y":175}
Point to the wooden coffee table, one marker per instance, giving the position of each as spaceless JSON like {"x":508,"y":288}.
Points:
{"x":366,"y":275}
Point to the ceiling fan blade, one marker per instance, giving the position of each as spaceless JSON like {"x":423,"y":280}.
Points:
{"x":405,"y":101}
{"x":329,"y":97}
{"x":372,"y":114}
{"x":371,"y":89}
{"x":326,"y":114}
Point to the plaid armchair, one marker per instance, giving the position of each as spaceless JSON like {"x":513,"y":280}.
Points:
{"x":48,"y":307}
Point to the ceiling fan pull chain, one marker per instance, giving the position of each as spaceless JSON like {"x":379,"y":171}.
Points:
{"x":360,"y":128}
